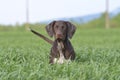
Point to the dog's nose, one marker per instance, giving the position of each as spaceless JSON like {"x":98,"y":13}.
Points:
{"x":59,"y":35}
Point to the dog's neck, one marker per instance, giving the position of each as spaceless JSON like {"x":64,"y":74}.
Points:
{"x":60,"y":45}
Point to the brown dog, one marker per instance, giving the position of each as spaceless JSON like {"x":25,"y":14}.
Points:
{"x":62,"y":49}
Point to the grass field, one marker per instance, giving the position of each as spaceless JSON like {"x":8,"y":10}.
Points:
{"x":24,"y":56}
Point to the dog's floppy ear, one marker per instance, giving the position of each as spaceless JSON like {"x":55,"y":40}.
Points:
{"x":49,"y":28}
{"x":71,"y":29}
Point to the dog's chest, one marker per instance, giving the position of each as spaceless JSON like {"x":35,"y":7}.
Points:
{"x":61,"y":58}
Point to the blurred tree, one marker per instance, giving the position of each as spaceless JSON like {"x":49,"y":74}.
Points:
{"x":27,"y":14}
{"x":107,"y":24}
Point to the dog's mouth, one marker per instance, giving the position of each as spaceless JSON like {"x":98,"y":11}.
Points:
{"x":59,"y":39}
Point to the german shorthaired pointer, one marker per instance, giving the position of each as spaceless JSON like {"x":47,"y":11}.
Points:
{"x":62,"y":49}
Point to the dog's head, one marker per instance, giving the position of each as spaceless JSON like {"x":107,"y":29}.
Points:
{"x":60,"y":29}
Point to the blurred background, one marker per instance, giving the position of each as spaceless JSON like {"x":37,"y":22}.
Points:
{"x":105,"y":13}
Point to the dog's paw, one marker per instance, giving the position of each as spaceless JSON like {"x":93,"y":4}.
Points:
{"x":61,"y":61}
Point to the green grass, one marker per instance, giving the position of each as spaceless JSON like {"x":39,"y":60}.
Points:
{"x":24,"y":56}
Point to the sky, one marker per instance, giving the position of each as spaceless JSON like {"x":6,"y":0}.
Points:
{"x":14,"y":11}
